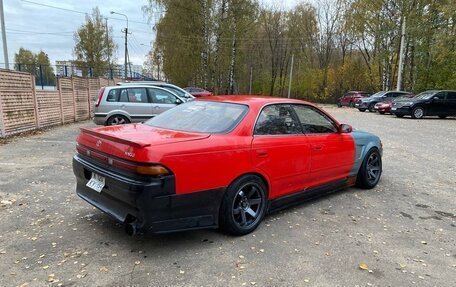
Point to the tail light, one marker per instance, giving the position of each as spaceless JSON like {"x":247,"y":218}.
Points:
{"x":100,"y":95}
{"x":154,"y":170}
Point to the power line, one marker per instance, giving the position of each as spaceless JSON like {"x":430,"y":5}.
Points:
{"x":44,"y":33}
{"x":79,"y":12}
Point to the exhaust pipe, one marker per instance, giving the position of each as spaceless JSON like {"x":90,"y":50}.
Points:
{"x":131,"y":228}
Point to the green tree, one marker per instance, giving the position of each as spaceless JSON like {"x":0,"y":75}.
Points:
{"x":42,"y":61}
{"x":92,"y":50}
{"x":24,"y":61}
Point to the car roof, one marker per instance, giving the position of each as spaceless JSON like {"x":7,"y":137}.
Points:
{"x":251,"y":100}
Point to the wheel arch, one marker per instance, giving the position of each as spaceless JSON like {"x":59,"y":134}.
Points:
{"x":364,"y":142}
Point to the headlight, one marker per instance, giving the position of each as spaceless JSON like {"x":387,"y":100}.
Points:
{"x":407,"y":104}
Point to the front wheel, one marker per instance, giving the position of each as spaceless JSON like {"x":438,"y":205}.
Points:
{"x":370,"y":170}
{"x":362,"y":110}
{"x":371,"y":108}
{"x":382,"y":113}
{"x":352,"y":105}
{"x":244,"y":205}
{"x":418,"y":113}
{"x":339,"y":105}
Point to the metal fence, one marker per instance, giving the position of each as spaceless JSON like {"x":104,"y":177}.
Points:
{"x":46,"y":76}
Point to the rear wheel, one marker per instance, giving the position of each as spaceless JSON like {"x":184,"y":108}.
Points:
{"x":339,"y":105}
{"x":244,"y":205}
{"x":370,"y":170}
{"x":117,"y":120}
{"x":352,"y":105}
{"x":362,"y":110}
{"x":418,"y":113}
{"x":442,"y":117}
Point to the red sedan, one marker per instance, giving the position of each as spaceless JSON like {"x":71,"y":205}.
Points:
{"x":383,"y":107}
{"x":198,"y":92}
{"x":221,"y":162}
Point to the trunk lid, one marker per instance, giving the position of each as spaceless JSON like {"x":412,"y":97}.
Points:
{"x":133,"y":140}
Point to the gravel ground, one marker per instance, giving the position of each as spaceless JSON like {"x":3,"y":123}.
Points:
{"x":403,"y":232}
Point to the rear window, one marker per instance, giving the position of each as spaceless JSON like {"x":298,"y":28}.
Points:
{"x":201,"y":117}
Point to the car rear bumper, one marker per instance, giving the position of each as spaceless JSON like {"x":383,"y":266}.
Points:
{"x":100,"y":119}
{"x":152,"y":206}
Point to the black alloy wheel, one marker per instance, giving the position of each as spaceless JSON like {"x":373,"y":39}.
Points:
{"x":418,"y":113}
{"x":362,"y":110}
{"x":117,"y":120}
{"x":244,"y":205}
{"x":371,"y":170}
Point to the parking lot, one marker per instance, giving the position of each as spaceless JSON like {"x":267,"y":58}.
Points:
{"x":402,"y":233}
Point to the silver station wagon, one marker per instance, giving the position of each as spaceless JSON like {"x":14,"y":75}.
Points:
{"x":129,"y":104}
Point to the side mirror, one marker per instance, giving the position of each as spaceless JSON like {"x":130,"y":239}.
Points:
{"x":178,"y":102}
{"x":346,"y":129}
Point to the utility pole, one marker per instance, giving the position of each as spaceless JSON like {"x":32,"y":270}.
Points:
{"x":291,"y":75}
{"x":401,"y":57}
{"x":126,"y":44}
{"x":5,"y":48}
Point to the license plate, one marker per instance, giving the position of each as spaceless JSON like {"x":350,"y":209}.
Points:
{"x":97,"y":182}
{"x":356,"y":105}
{"x":393,"y":109}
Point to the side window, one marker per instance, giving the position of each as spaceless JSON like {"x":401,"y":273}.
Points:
{"x":159,"y":96}
{"x":133,"y":95}
{"x":113,"y":95}
{"x":277,"y":120}
{"x":313,"y":121}
{"x":440,"y":95}
{"x":451,"y":96}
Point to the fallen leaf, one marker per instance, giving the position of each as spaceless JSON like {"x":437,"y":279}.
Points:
{"x":182,"y":272}
{"x":137,"y":262}
{"x":45,"y":267}
{"x":363,"y":266}
{"x":103,"y":269}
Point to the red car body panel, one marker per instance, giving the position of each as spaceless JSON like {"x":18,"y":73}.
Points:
{"x":198,"y":92}
{"x":322,"y":157}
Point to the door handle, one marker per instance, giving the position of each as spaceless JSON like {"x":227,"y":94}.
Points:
{"x":317,"y":147}
{"x":122,"y":106}
{"x":156,"y":107}
{"x":262,"y":153}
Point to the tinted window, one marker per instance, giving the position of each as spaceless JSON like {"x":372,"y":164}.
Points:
{"x":277,"y":120}
{"x":133,"y":95}
{"x":451,"y":96}
{"x":159,"y":96}
{"x":176,"y":91}
{"x":313,"y":121}
{"x":113,"y":95}
{"x":201,"y":116}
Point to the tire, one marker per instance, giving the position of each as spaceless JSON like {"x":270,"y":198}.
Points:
{"x":339,"y":105}
{"x":117,"y":120}
{"x":244,"y":205}
{"x":418,"y":113}
{"x":371,"y":108}
{"x":352,"y":104}
{"x":382,"y":113}
{"x":443,"y":117}
{"x":371,"y":170}
{"x":362,"y":110}
{"x":399,"y":116}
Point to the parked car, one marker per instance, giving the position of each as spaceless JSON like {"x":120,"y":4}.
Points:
{"x":369,"y":103}
{"x":198,"y":92}
{"x":183,"y":94}
{"x":429,"y":103}
{"x":385,"y":106}
{"x":133,"y":103}
{"x":221,"y":162}
{"x":350,"y":98}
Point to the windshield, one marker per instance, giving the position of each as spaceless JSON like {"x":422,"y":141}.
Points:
{"x":201,"y":117}
{"x":378,"y":94}
{"x":180,"y":93}
{"x":424,"y":95}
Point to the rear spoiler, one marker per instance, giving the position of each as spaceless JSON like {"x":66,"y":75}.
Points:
{"x":115,"y":139}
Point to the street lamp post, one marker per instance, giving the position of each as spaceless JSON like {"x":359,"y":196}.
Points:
{"x":126,"y":43}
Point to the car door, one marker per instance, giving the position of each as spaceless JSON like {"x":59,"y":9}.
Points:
{"x":450,"y":104}
{"x":436,"y":105}
{"x":135,"y":103}
{"x":162,"y":100}
{"x":281,"y":150}
{"x":332,"y":152}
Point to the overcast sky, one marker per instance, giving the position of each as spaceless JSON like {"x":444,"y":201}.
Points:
{"x":34,"y":25}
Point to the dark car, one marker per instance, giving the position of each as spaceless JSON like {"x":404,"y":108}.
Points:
{"x":369,"y":103}
{"x":429,"y":103}
{"x":350,"y":98}
{"x":385,"y":106}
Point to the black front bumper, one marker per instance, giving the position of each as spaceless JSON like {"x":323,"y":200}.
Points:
{"x":151,"y":204}
{"x":401,"y":110}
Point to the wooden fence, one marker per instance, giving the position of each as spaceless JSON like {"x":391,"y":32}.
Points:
{"x":23,"y":108}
